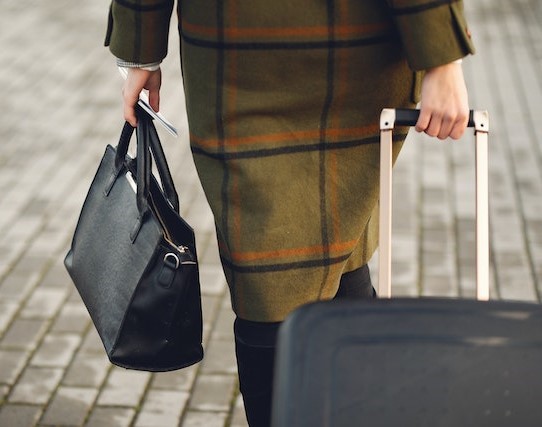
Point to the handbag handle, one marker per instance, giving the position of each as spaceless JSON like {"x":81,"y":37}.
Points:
{"x":147,"y":137}
{"x":144,"y":166}
{"x":163,"y":169}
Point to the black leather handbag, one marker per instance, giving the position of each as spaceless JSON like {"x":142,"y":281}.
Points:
{"x":133,"y":259}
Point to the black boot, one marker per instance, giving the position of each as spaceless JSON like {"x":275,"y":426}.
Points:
{"x":255,"y":344}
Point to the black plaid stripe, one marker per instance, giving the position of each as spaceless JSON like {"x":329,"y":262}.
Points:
{"x":292,"y":149}
{"x":139,"y":7}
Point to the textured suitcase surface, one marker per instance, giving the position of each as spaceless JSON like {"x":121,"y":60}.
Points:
{"x":410,"y":362}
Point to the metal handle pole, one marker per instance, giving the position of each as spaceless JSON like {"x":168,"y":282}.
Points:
{"x":481,"y":129}
{"x":480,"y":121}
{"x":387,"y":121}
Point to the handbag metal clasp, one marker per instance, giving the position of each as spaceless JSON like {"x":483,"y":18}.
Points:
{"x":176,"y":260}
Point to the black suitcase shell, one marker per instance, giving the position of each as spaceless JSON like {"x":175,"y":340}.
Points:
{"x":410,"y":362}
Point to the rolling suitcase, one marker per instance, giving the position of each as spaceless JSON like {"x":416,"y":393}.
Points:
{"x":412,"y":361}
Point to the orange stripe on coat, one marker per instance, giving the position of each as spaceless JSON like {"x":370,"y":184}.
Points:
{"x":340,"y":247}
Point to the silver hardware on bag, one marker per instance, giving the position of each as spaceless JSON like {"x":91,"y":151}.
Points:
{"x":183,"y":250}
{"x":177,"y":262}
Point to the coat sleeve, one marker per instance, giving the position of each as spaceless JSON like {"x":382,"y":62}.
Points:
{"x":433,"y":32}
{"x":138,"y":30}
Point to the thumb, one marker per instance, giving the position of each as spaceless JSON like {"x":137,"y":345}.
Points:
{"x":130,"y":100}
{"x":154,"y":99}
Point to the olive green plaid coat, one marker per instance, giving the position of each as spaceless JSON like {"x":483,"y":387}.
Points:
{"x":283,"y":99}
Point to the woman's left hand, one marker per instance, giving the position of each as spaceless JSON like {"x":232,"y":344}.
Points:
{"x":137,"y":80}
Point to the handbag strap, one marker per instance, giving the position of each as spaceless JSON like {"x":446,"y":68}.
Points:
{"x":122,"y":147}
{"x":144,"y":166}
{"x":162,"y":166}
{"x":147,"y":138}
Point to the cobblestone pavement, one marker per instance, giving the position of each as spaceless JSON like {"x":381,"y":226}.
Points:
{"x":62,"y":105}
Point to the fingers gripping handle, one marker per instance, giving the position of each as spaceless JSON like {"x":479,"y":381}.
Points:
{"x":390,"y":118}
{"x":409,"y":117}
{"x":403,"y":117}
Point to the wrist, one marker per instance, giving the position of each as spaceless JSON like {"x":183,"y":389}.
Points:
{"x":453,"y":66}
{"x":152,"y":66}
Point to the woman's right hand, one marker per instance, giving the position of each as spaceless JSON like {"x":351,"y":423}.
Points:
{"x":444,"y":108}
{"x":137,"y":80}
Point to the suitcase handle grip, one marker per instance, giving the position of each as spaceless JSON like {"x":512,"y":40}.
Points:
{"x":409,"y":117}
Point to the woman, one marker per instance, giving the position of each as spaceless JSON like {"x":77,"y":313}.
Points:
{"x":283,"y":100}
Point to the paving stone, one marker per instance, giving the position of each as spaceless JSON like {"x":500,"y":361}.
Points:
{"x":203,"y":220}
{"x":439,"y":286}
{"x":87,"y":370}
{"x":437,"y":263}
{"x":405,"y":277}
{"x":73,"y":318}
{"x":57,"y":276}
{"x":111,"y":417}
{"x":514,"y":285}
{"x":13,"y":251}
{"x":223,"y":329}
{"x":23,"y":229}
{"x":73,"y":295}
{"x":11,"y":365}
{"x":56,"y":350}
{"x":238,"y":418}
{"x":19,"y":415}
{"x":162,"y":408}
{"x":92,"y":342}
{"x":17,"y":285}
{"x":4,"y":390}
{"x":124,"y":388}
{"x":212,"y":280}
{"x":210,"y":255}
{"x":209,"y":306}
{"x":219,"y":357}
{"x":7,"y":312}
{"x":204,"y":419}
{"x":69,"y":406}
{"x":33,"y":261}
{"x":36,"y":385}
{"x":181,"y":379}
{"x":213,"y":392}
{"x":44,"y":303}
{"x":24,"y":334}
{"x":5,"y":259}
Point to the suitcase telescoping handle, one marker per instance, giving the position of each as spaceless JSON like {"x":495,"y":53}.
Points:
{"x":405,"y":117}
{"x":409,"y":117}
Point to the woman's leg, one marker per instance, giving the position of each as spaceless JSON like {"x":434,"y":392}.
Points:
{"x":356,"y":284}
{"x":255,"y":344}
{"x":255,"y":350}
